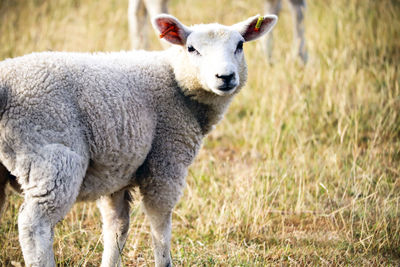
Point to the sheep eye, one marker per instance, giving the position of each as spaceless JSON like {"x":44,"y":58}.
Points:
{"x":239,"y":47}
{"x":191,"y":49}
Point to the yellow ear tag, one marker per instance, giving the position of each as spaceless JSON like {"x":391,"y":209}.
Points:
{"x":259,"y":22}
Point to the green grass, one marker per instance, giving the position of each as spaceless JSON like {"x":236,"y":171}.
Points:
{"x":304,"y":170}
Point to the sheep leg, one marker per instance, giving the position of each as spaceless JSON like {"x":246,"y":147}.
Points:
{"x":161,"y":225}
{"x":3,"y":186}
{"x":137,"y":18}
{"x":299,"y":7}
{"x":160,"y":193}
{"x":14,"y":183}
{"x":6,"y":178}
{"x":53,"y":182}
{"x":155,"y":7}
{"x":271,"y":7}
{"x":115,"y":214}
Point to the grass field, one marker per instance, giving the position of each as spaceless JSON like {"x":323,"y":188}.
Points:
{"x":305,"y":168}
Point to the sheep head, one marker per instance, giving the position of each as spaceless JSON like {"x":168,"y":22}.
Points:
{"x":210,"y":56}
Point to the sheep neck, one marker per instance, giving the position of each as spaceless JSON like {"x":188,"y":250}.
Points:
{"x":206,"y":114}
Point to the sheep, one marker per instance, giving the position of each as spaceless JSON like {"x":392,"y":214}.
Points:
{"x":298,"y":8}
{"x":89,"y":127}
{"x":137,"y":17}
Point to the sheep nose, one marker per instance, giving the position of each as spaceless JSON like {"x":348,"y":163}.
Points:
{"x":226,"y":78}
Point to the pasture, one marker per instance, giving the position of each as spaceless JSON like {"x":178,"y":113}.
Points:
{"x":303,"y":170}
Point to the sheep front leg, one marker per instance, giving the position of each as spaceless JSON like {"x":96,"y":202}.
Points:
{"x":161,"y":225}
{"x":52,"y":185}
{"x":160,"y":194}
{"x":115,"y":214}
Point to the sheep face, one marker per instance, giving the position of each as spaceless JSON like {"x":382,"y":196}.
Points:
{"x":211,"y":56}
{"x":216,"y":53}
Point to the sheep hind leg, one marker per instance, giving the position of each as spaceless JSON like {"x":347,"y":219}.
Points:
{"x":137,"y":18}
{"x":299,"y":8}
{"x":6,"y":178}
{"x":53,"y":183}
{"x":271,"y":7}
{"x":3,"y":187}
{"x":155,"y":7}
{"x":115,"y":214}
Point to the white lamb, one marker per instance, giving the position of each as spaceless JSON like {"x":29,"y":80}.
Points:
{"x":80,"y":126}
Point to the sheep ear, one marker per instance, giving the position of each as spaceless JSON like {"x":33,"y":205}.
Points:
{"x":255,"y":27}
{"x":171,"y":29}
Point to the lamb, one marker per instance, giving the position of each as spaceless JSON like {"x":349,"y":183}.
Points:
{"x":84,"y":127}
{"x":138,"y":10}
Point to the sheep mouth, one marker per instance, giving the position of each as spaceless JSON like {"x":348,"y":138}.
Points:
{"x":226,"y":88}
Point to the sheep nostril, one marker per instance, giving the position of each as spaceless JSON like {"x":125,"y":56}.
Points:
{"x":226,"y":78}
